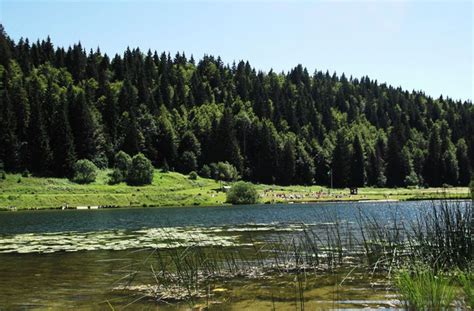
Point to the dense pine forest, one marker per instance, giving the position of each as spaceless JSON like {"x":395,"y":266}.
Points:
{"x":60,"y":105}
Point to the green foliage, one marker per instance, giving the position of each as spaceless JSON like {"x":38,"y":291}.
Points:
{"x":140,"y":172}
{"x":3,"y":175}
{"x":412,"y":179}
{"x":85,"y":172}
{"x":423,"y":289}
{"x":466,"y":279}
{"x":122,"y":162}
{"x":193,"y":175}
{"x":25,"y":173}
{"x":242,"y":193}
{"x":224,"y":171}
{"x":205,"y":171}
{"x":357,"y":164}
{"x":115,"y":177}
{"x":58,"y":106}
{"x":188,"y":162}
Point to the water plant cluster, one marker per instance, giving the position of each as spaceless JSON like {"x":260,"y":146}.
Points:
{"x":426,"y":261}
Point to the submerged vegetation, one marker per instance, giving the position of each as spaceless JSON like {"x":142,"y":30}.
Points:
{"x":395,"y":253}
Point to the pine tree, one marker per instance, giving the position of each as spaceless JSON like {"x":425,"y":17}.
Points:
{"x":357,"y":163}
{"x":464,"y":163}
{"x":82,"y":125}
{"x":39,"y":155}
{"x":287,"y":163}
{"x":63,"y":142}
{"x":394,"y":173}
{"x":9,"y":151}
{"x":341,"y":165}
{"x":432,"y":168}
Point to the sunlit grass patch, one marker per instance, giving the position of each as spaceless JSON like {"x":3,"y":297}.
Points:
{"x":420,"y":288}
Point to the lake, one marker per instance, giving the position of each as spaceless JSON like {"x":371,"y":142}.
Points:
{"x":75,"y":258}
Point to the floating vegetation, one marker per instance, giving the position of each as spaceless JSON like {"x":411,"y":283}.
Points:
{"x":153,"y":238}
{"x":370,"y":247}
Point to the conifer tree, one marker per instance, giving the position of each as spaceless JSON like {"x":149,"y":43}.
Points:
{"x":341,"y":165}
{"x":63,"y":145}
{"x":357,"y":163}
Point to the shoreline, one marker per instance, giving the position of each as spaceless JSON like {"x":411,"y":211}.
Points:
{"x":171,"y":189}
{"x":108,"y":207}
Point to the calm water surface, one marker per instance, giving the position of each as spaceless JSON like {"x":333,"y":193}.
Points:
{"x":72,"y":259}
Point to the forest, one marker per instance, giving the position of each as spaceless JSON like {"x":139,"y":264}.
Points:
{"x":59,"y":105}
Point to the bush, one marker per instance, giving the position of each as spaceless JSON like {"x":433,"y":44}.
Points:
{"x":84,"y":172}
{"x":193,"y":175}
{"x":140,"y":172}
{"x":25,"y":173}
{"x":122,"y":162}
{"x":224,"y":171}
{"x":412,"y":180}
{"x":115,"y":177}
{"x":242,"y":193}
{"x":422,"y":289}
{"x":4,"y":176}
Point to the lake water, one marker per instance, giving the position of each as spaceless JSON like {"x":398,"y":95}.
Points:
{"x":73,"y":259}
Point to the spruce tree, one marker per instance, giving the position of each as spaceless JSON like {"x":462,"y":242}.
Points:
{"x":357,"y":163}
{"x":340,"y":164}
{"x":63,"y":141}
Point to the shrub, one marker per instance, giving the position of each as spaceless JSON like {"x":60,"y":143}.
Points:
{"x":242,"y":193}
{"x":422,"y":289}
{"x":224,"y":171}
{"x":193,"y":175}
{"x":84,"y":172}
{"x":25,"y":173}
{"x":412,"y":179}
{"x":466,"y":280}
{"x":101,"y":161}
{"x":115,"y":177}
{"x":4,"y":176}
{"x":122,"y":162}
{"x":140,"y":172}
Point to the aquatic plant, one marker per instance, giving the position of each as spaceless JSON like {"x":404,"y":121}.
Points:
{"x":420,"y":288}
{"x":466,"y":280}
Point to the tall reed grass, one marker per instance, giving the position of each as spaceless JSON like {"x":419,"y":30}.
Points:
{"x":439,"y":238}
{"x":421,"y":288}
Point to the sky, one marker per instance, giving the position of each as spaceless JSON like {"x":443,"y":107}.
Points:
{"x":419,"y":44}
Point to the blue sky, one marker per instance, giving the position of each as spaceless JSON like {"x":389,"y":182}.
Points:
{"x":418,"y":45}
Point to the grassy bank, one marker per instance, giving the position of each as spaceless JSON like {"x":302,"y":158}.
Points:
{"x":174,"y":189}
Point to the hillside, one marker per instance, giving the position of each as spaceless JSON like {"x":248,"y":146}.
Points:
{"x":59,"y":105}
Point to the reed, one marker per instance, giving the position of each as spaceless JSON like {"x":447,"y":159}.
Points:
{"x":420,"y":251}
{"x":420,"y":288}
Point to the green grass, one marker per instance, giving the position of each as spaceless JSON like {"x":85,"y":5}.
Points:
{"x":167,"y":189}
{"x":319,"y":193}
{"x":174,"y":189}
{"x":466,"y":280}
{"x":421,"y":289}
